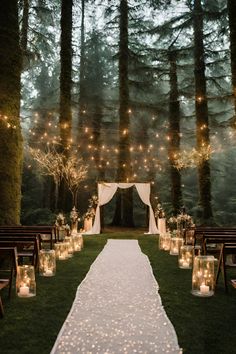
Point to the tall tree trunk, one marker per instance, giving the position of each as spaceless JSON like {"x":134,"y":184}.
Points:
{"x":10,"y":131}
{"x":82,"y":103}
{"x":65,"y":88}
{"x":201,"y":108}
{"x":232,"y":28}
{"x":96,"y":98}
{"x":174,"y":134}
{"x":25,"y":26}
{"x":124,"y":172}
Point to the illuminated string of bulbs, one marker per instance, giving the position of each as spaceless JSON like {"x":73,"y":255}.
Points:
{"x":182,"y":161}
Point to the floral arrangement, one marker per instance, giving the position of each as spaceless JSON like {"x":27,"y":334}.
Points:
{"x":89,"y":214}
{"x":181,"y":221}
{"x":185,"y":220}
{"x":93,"y":202}
{"x":61,"y":222}
{"x":74,"y":215}
{"x":172,"y":223}
{"x":159,"y":212}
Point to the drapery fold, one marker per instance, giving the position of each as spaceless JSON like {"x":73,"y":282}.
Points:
{"x":106,"y":192}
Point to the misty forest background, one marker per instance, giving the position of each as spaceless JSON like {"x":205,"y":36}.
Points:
{"x":142,"y":91}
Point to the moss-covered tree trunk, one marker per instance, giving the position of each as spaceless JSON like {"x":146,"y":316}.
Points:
{"x":232,"y":27}
{"x":65,"y":118}
{"x":174,"y":134}
{"x":24,"y":26}
{"x":96,"y":86}
{"x":82,"y":99}
{"x":10,"y":131}
{"x":124,"y":171}
{"x":201,"y":108}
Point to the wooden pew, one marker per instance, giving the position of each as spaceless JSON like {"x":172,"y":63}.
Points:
{"x":28,"y":245}
{"x":203,"y":235}
{"x":8,"y":266}
{"x":226,"y":248}
{"x":47,"y":232}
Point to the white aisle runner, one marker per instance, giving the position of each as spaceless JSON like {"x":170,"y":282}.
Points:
{"x":117,"y":308}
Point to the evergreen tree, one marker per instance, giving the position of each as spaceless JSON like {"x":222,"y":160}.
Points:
{"x":10,"y":131}
{"x":174,"y":132}
{"x":232,"y":27}
{"x":201,"y":109}
{"x":65,"y":116}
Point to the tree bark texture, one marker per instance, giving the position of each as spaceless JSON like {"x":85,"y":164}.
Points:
{"x":82,"y":100}
{"x":124,"y":171}
{"x":66,"y":73}
{"x":25,"y":26}
{"x":174,"y":134}
{"x":201,"y":108}
{"x":232,"y":27}
{"x":10,"y":131}
{"x":65,"y":118}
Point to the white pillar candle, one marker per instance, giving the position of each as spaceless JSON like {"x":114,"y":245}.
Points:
{"x":24,"y":290}
{"x":204,"y":289}
{"x":48,"y":272}
{"x":185,"y":264}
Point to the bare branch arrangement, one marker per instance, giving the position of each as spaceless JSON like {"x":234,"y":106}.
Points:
{"x":74,"y":172}
{"x":55,"y":164}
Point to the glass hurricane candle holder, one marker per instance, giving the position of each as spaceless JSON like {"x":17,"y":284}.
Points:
{"x":47,"y":263}
{"x":25,"y":281}
{"x":164,"y":241}
{"x":203,"y":276}
{"x":175,"y":244}
{"x":81,"y":240}
{"x":76,"y":242}
{"x":70,"y":245}
{"x":61,"y":250}
{"x":186,"y":257}
{"x":189,"y":237}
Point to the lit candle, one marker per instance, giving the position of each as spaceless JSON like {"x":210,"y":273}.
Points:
{"x":48,"y":272}
{"x":175,"y":250}
{"x":24,"y":290}
{"x":185,"y":264}
{"x":204,"y":289}
{"x":62,"y":257}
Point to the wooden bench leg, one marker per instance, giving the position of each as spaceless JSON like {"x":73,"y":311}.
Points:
{"x":219,"y":265}
{"x":1,"y":308}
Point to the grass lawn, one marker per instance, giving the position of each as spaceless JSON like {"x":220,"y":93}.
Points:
{"x":203,"y":325}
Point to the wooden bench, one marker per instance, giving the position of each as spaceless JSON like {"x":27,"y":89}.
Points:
{"x":42,"y":230}
{"x":8,"y":266}
{"x":27,"y":245}
{"x":203,"y":235}
{"x":226,"y":248}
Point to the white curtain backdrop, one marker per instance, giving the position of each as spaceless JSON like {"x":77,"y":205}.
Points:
{"x":106,"y":192}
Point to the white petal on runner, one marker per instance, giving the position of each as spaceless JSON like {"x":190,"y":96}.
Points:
{"x":117,"y":308}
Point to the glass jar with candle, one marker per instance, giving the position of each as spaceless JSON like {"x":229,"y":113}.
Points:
{"x":175,"y":244}
{"x":203,"y":276}
{"x":70,"y":245}
{"x":76,"y":242}
{"x":47,"y":263}
{"x":61,"y":250}
{"x":186,"y":257}
{"x":25,"y":281}
{"x":164,"y":241}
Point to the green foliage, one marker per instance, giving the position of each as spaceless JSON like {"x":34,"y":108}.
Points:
{"x":40,"y":216}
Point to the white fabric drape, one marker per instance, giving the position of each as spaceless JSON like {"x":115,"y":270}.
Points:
{"x":106,"y":192}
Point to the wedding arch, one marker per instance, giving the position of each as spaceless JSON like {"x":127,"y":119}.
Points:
{"x":106,"y":191}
